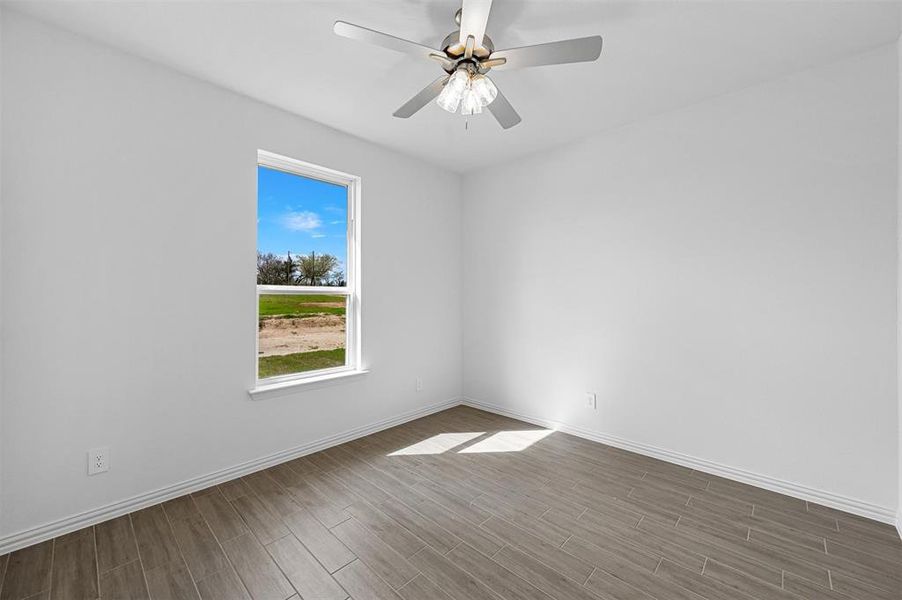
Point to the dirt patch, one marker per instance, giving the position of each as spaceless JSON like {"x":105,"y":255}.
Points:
{"x":279,"y":336}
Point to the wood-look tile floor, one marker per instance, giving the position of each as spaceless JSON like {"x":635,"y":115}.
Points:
{"x":466,"y":505}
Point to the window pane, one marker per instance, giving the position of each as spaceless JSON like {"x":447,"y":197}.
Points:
{"x":302,"y":230}
{"x":298,"y":333}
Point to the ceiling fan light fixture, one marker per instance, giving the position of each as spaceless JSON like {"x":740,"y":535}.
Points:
{"x":451,"y":95}
{"x":483,"y":88}
{"x":448,"y":100}
{"x":470,"y":105}
{"x":467,"y":90}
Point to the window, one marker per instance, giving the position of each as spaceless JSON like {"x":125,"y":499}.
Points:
{"x":308,"y":300}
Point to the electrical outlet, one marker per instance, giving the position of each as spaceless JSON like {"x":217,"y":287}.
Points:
{"x":98,"y":460}
{"x":591,"y":400}
{"x":419,"y":384}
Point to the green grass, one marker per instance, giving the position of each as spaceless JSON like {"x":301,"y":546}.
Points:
{"x":282,"y":305}
{"x":270,"y":366}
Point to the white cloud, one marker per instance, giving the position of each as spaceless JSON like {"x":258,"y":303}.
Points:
{"x":301,"y":221}
{"x":318,"y":235}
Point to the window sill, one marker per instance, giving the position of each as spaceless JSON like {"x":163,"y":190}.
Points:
{"x":284,"y":388}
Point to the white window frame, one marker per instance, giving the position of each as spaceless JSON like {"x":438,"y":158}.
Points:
{"x":352,"y":365}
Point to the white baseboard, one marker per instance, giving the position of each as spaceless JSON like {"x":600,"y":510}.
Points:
{"x":899,"y":520}
{"x":844,"y":503}
{"x":50,"y":530}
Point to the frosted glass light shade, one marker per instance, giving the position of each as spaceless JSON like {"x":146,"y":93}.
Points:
{"x":484,"y":89}
{"x":470,"y":104}
{"x":450,"y":97}
{"x":448,"y":100}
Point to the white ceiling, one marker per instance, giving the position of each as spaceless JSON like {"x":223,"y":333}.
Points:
{"x":657,"y":56}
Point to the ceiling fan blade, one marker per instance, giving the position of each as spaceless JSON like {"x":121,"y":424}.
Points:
{"x":371,"y":36}
{"x":447,"y":64}
{"x":474,"y":14}
{"x":502,"y":110}
{"x":584,"y":49}
{"x":426,"y":95}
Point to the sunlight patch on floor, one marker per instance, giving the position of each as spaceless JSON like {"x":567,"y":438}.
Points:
{"x":438,"y":444}
{"x":502,"y":441}
{"x":508,"y":441}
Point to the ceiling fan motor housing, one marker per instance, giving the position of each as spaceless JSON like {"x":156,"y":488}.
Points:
{"x":453,"y":48}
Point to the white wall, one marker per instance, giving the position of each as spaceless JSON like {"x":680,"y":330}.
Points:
{"x":723,"y":276}
{"x":2,"y":15}
{"x":899,"y":283}
{"x":128,"y":261}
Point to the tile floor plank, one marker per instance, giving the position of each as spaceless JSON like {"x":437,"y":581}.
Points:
{"x":234,"y":489}
{"x":74,"y":573}
{"x":307,"y":575}
{"x":359,"y":581}
{"x":28,"y":571}
{"x":156,"y":544}
{"x":171,"y":581}
{"x":319,"y":505}
{"x":421,"y":588}
{"x":180,"y":508}
{"x":257,"y":571}
{"x":563,"y":562}
{"x":453,"y":580}
{"x":273,"y":495}
{"x":706,"y":587}
{"x":433,"y":534}
{"x":265,"y":525}
{"x":222,"y":585}
{"x":494,"y":576}
{"x":805,"y":589}
{"x":125,"y":582}
{"x":542,"y":576}
{"x":741,"y":582}
{"x":605,"y":543}
{"x":199,"y":547}
{"x":220,"y":516}
{"x":386,"y":529}
{"x":327,"y":549}
{"x":376,"y":554}
{"x":115,"y":543}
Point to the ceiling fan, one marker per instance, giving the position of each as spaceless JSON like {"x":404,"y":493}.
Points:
{"x":466,"y":56}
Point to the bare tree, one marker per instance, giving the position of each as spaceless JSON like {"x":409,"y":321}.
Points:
{"x":274,"y":270}
{"x":316,"y":270}
{"x":337,"y":278}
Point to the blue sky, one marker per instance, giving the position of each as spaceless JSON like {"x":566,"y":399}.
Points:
{"x":299,"y":215}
